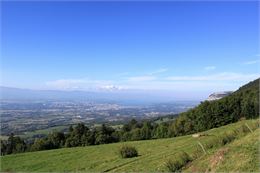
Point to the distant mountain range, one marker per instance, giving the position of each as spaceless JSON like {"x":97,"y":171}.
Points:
{"x":17,"y":93}
{"x":129,"y":97}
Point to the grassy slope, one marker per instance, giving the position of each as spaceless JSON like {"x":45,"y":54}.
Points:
{"x":153,"y":154}
{"x":242,"y":155}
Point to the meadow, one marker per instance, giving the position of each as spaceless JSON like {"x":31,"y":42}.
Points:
{"x":153,"y":154}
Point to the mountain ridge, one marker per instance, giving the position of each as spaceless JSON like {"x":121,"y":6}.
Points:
{"x":218,"y":95}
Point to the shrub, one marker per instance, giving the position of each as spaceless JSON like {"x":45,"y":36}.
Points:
{"x":255,"y":125}
{"x":228,"y":137}
{"x":185,"y":158}
{"x":222,"y":139}
{"x":173,"y":165}
{"x":197,"y":153}
{"x":128,"y":151}
{"x":212,"y":143}
{"x":180,"y":160}
{"x":243,"y":130}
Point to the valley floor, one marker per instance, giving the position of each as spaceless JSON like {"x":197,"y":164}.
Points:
{"x":239,"y":155}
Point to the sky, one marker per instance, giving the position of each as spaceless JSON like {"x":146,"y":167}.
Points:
{"x":179,"y":47}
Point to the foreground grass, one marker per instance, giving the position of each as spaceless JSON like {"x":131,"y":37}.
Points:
{"x":242,"y":155}
{"x":152,"y":155}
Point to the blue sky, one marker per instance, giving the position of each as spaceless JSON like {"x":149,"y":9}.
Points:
{"x":163,"y":46}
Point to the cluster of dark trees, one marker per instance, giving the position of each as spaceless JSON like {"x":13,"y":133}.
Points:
{"x":244,"y":103}
{"x":81,"y":135}
{"x":14,"y":144}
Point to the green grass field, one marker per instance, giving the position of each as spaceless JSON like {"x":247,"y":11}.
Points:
{"x":43,"y":131}
{"x":152,"y":155}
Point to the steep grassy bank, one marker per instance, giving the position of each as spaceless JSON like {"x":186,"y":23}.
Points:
{"x":242,"y":155}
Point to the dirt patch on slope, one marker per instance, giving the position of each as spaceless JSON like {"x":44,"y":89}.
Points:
{"x":216,"y":159}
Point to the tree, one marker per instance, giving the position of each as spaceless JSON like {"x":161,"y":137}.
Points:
{"x":76,"y":134}
{"x":56,"y":139}
{"x":104,"y":135}
{"x":146,"y":130}
{"x":3,"y":147}
{"x":39,"y":144}
{"x":88,"y":138}
{"x":136,"y":134}
{"x":70,"y":129}
{"x":14,"y":144}
{"x":161,"y":131}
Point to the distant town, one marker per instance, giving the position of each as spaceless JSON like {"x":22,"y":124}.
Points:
{"x":20,"y":116}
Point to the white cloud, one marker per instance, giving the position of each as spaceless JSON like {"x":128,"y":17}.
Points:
{"x":111,"y":87}
{"x":149,"y":77}
{"x":141,"y":78}
{"x":251,"y":62}
{"x":84,"y":83}
{"x":216,"y":77}
{"x":210,"y":68}
{"x":65,"y":83}
{"x":213,"y":82}
{"x":161,"y":70}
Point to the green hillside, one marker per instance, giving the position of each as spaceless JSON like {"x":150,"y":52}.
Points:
{"x":241,"y":155}
{"x":153,"y":154}
{"x":243,"y":103}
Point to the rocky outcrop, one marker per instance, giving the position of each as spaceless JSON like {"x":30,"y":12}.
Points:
{"x":218,"y":95}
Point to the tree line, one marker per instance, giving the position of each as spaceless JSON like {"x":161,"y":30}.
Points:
{"x":81,"y":135}
{"x":244,"y":103}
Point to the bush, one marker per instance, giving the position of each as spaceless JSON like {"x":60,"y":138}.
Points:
{"x":175,"y":165}
{"x":197,"y":153}
{"x":213,"y":142}
{"x":228,"y":137}
{"x":255,"y":125}
{"x":128,"y":151}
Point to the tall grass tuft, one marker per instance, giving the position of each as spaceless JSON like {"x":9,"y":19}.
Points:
{"x":128,"y":151}
{"x":225,"y":138}
{"x":180,"y":160}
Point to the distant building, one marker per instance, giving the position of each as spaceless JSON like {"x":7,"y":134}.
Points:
{"x":218,"y":95}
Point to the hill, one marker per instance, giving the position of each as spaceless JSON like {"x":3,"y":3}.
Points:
{"x":246,"y":149}
{"x":243,"y":103}
{"x":153,"y":154}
